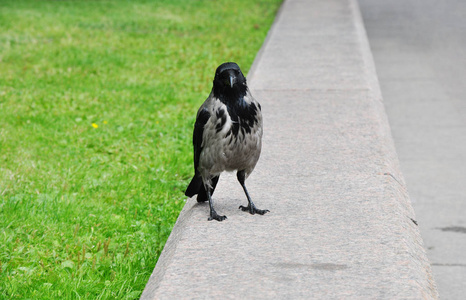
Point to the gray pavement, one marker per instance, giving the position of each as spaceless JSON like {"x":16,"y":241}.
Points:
{"x":340,"y":223}
{"x":419,"y":49}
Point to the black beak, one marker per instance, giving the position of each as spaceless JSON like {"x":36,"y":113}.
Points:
{"x":232,"y":80}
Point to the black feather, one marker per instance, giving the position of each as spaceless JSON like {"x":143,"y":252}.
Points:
{"x":202,"y":117}
{"x":221,"y":116}
{"x":194,"y":186}
{"x":202,"y":194}
{"x":196,"y":183}
{"x":243,"y":116}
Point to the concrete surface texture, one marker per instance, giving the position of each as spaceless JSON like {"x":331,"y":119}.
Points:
{"x":420,"y":55}
{"x":340,"y":223}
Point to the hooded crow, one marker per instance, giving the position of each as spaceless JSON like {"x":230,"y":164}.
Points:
{"x":227,"y":137}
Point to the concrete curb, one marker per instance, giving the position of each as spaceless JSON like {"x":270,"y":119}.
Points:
{"x":340,"y":224}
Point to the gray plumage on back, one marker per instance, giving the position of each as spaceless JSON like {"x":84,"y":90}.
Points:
{"x":227,"y":137}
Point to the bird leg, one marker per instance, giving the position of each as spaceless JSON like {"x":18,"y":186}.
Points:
{"x":241,"y":175}
{"x":213,"y":213}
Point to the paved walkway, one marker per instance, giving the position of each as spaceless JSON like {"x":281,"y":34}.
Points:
{"x":340,"y":223}
{"x":419,"y":49}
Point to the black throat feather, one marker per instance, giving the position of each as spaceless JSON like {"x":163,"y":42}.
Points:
{"x":243,"y":115}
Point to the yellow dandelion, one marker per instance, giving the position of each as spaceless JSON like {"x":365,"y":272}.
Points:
{"x":95,"y":125}
{"x":105,"y":122}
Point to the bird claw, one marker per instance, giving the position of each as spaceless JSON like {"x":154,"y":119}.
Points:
{"x":253,"y":210}
{"x":215,"y":216}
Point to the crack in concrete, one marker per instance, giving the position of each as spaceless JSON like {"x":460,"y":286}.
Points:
{"x":458,"y":229}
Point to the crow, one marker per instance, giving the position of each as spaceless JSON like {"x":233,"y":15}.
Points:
{"x":227,"y":137}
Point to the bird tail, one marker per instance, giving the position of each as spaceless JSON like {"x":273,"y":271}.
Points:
{"x":202,"y":194}
{"x":196,"y":187}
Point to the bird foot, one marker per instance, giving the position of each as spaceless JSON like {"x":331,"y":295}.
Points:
{"x":253,"y":210}
{"x":215,"y":216}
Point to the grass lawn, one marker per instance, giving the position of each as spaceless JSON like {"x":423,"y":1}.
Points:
{"x":97,"y":105}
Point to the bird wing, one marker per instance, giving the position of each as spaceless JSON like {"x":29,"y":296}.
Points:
{"x":202,"y":116}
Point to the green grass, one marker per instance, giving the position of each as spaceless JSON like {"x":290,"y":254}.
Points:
{"x":97,"y":105}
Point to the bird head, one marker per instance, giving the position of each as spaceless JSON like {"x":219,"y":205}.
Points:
{"x":229,"y":80}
